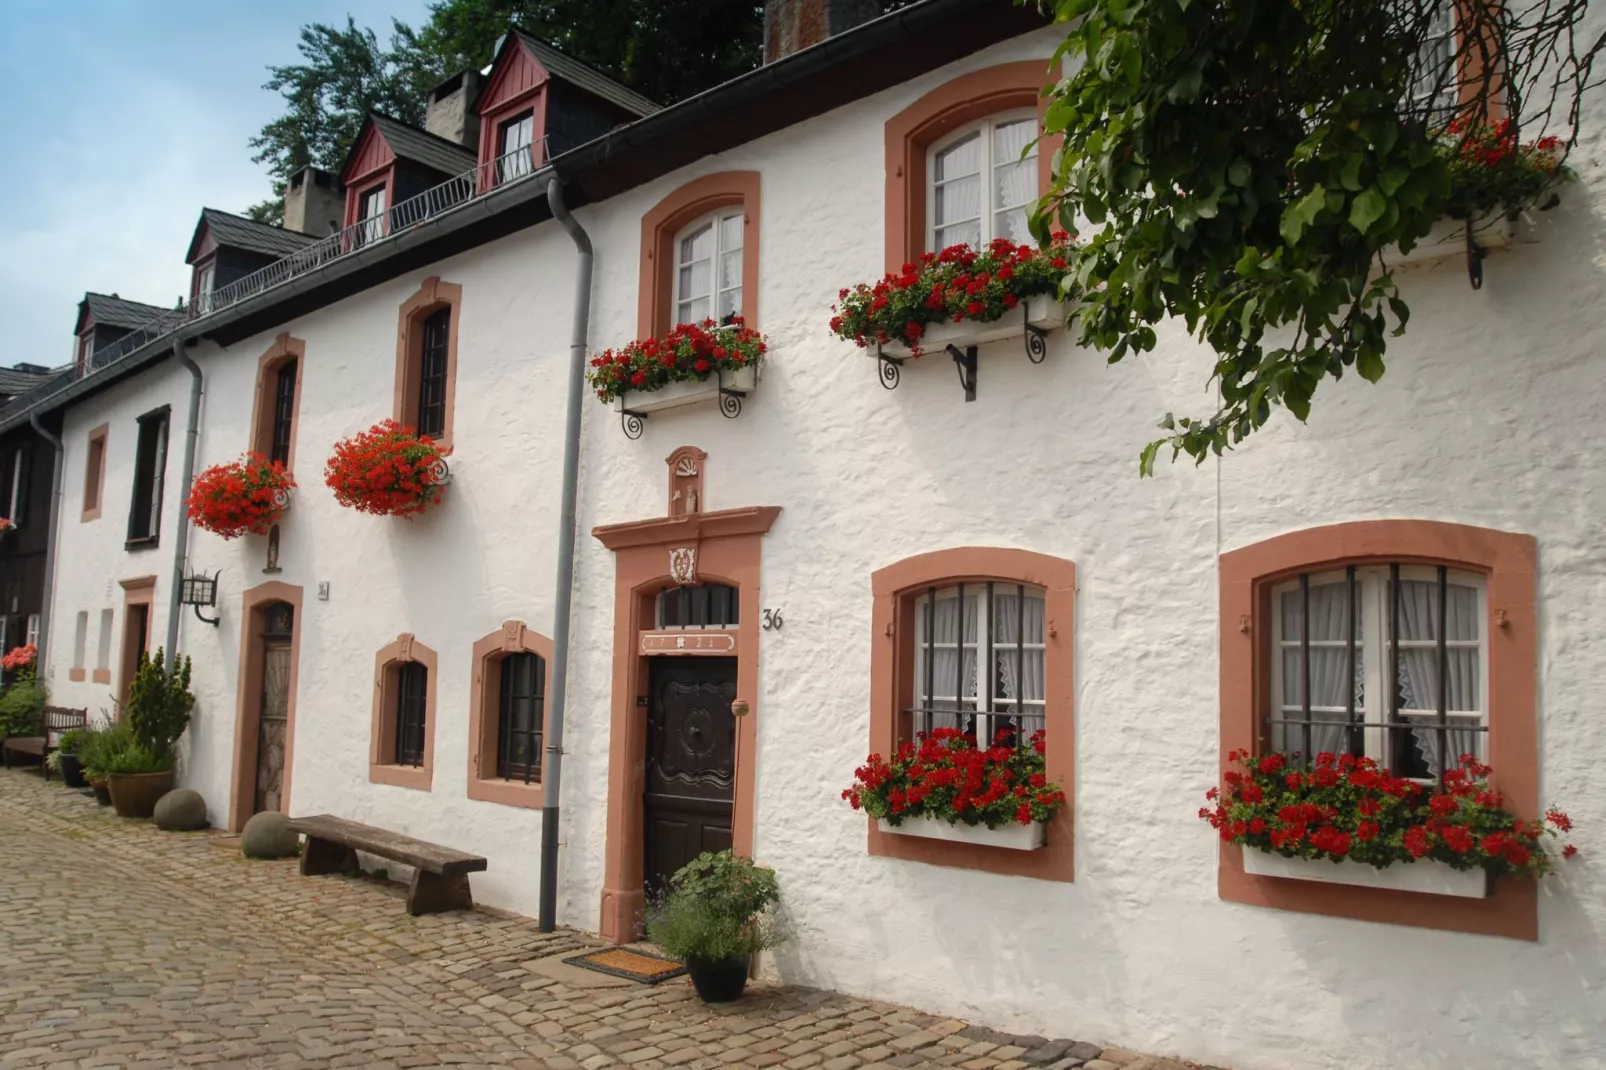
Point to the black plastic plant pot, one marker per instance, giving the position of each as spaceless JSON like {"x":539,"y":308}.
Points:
{"x":720,"y":981}
{"x":103,"y":794}
{"x":72,"y":771}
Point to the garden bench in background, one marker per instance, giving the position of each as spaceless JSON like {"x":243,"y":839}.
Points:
{"x":440,"y":874}
{"x":53,"y":722}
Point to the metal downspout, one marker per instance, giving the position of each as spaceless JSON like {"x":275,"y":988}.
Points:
{"x":181,"y":539}
{"x":50,"y":545}
{"x":552,"y":766}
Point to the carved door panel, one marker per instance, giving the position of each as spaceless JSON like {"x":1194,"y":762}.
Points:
{"x":691,"y":762}
{"x":271,"y":726}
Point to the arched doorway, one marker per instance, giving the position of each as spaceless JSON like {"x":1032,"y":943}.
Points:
{"x":264,"y":736}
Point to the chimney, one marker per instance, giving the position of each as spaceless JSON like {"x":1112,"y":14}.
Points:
{"x":450,"y":113}
{"x":793,"y":25}
{"x":314,"y":203}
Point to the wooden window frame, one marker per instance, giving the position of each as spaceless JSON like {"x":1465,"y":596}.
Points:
{"x":94,"y":472}
{"x":162,"y":415}
{"x":661,"y":228}
{"x":484,"y":717}
{"x":986,"y":127}
{"x":382,"y":767}
{"x":1508,"y":563}
{"x":895,"y":589}
{"x":432,"y":296}
{"x":284,"y":350}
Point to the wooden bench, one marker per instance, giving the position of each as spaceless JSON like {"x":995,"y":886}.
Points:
{"x":440,"y":874}
{"x":53,"y":723}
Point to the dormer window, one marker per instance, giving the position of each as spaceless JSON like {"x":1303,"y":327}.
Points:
{"x":371,"y":214}
{"x":708,"y":268}
{"x":204,"y":276}
{"x":513,"y":141}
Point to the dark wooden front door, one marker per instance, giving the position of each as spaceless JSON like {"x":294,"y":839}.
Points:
{"x":272,"y":723}
{"x":691,"y":762}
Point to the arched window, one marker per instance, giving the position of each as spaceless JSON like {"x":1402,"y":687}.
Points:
{"x":507,"y":715}
{"x":981,"y":187}
{"x":431,"y":416}
{"x":278,"y":400}
{"x":708,"y":268}
{"x":706,"y":605}
{"x":402,"y":741}
{"x":520,"y":717}
{"x":979,"y":659}
{"x":426,"y":360}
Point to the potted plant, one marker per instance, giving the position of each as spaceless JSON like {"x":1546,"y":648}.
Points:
{"x":1346,"y":820}
{"x":159,"y":703}
{"x":24,"y":700}
{"x":692,"y":363}
{"x":248,"y":495}
{"x":943,"y":786}
{"x":67,"y":757}
{"x":387,"y":470}
{"x":716,"y":915}
{"x":98,"y":745}
{"x":960,"y":296}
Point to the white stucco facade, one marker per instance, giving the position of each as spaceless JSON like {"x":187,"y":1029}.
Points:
{"x":1488,"y":416}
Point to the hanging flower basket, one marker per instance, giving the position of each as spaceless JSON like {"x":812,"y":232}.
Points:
{"x":1345,"y":820}
{"x":241,"y":497}
{"x":699,"y":355}
{"x":387,"y":470}
{"x":942,"y":786}
{"x":908,"y":310}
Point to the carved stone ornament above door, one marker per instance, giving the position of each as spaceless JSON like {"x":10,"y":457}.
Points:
{"x":685,"y":480}
{"x":683,"y":565}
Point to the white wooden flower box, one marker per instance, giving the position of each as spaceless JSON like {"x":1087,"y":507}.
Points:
{"x":1044,"y":313}
{"x":1493,"y":230}
{"x":674,"y":395}
{"x":1424,"y":876}
{"x":1013,"y":836}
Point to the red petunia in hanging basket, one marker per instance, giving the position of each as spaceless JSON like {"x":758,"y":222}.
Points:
{"x":240,"y":497}
{"x":387,"y":470}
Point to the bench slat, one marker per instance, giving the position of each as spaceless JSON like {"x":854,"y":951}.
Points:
{"x":429,"y":857}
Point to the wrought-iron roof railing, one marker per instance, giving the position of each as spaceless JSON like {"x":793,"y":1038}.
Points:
{"x":434,"y":202}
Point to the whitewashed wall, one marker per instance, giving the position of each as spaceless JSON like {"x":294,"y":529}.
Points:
{"x":1487,"y":416}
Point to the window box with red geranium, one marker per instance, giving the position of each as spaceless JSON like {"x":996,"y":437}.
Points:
{"x":691,"y":364}
{"x":961,"y":298}
{"x":1347,"y":820}
{"x":943,"y":786}
{"x":388,"y":470}
{"x":241,"y":497}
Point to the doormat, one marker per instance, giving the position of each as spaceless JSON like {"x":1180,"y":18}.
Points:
{"x":638,"y":966}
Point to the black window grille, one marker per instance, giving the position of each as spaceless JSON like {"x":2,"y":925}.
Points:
{"x":707,"y":605}
{"x":150,"y":465}
{"x":284,"y":405}
{"x":522,"y":713}
{"x":432,"y":374}
{"x":980,"y":662}
{"x":412,"y":685}
{"x":1431,"y":652}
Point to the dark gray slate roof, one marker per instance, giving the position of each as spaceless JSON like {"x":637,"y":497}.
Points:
{"x":420,"y":146}
{"x":39,"y":386}
{"x":14,"y":382}
{"x":587,"y":77}
{"x":237,"y":232}
{"x":113,"y":311}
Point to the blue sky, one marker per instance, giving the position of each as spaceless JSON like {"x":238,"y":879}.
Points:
{"x":125,"y":118}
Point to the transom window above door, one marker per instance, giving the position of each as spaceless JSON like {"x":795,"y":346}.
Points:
{"x":708,"y":268}
{"x":1392,"y":665}
{"x":979,"y":653}
{"x":981,"y":186}
{"x":708,"y":605}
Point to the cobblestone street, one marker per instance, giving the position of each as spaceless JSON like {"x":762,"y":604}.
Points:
{"x":121,"y":944}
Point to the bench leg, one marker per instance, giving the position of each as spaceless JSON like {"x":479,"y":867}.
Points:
{"x":326,"y":856}
{"x":431,"y":893}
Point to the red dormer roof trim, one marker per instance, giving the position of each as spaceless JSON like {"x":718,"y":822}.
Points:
{"x":517,"y":85}
{"x":372,"y":162}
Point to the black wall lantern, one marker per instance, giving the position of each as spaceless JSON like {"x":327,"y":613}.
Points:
{"x":200,"y":591}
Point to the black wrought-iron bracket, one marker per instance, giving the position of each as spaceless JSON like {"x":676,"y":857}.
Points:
{"x":1036,"y":340}
{"x":631,"y":421}
{"x":1474,"y":259}
{"x":730,"y":400}
{"x":965,"y":364}
{"x":891,"y":368}
{"x":207,"y":620}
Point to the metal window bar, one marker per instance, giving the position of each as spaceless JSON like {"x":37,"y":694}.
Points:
{"x":412,"y":681}
{"x":709,"y":605}
{"x":1396,"y":728}
{"x":522,"y":717}
{"x":987,"y":715}
{"x":432,"y":373}
{"x":476,"y":182}
{"x":283,"y":411}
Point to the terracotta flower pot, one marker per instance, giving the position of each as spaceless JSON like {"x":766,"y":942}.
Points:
{"x":720,"y":981}
{"x":135,"y":794}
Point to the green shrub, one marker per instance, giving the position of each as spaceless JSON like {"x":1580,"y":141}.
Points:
{"x":71,"y":740}
{"x":20,"y":706}
{"x":159,"y":704}
{"x":136,"y":757}
{"x":719,"y":906}
{"x":101,"y":746}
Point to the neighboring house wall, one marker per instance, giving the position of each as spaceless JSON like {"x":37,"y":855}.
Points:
{"x":23,"y":548}
{"x":1488,"y":417}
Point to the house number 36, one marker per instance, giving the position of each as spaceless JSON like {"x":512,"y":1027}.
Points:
{"x":772,"y":620}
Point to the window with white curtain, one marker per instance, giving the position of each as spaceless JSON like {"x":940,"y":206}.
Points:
{"x":708,"y":268}
{"x":1393,"y":666}
{"x":1437,"y":83}
{"x":980,"y":186}
{"x":979,"y":661}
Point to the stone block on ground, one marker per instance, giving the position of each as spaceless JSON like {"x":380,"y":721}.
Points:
{"x":180,"y":810}
{"x":268,"y":835}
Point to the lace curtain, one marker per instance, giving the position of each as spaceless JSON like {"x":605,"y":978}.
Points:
{"x":1330,"y":672}
{"x":952,"y":690}
{"x":1419,"y":666}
